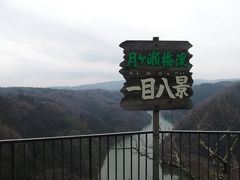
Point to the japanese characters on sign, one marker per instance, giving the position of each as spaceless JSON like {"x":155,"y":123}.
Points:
{"x":157,"y":59}
{"x":147,"y":88}
{"x":157,"y":75}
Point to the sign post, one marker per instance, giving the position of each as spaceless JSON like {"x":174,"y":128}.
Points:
{"x":158,"y":77}
{"x":156,"y":144}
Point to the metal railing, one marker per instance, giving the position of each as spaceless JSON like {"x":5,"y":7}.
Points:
{"x":183,"y":155}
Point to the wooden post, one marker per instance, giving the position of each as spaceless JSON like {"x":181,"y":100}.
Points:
{"x":155,"y":144}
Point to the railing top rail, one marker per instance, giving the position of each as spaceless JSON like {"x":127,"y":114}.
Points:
{"x":74,"y":136}
{"x":22,"y":140}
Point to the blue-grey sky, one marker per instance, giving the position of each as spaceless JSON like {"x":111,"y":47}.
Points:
{"x":73,"y":42}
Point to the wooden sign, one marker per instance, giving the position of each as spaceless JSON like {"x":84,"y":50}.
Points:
{"x":157,"y":75}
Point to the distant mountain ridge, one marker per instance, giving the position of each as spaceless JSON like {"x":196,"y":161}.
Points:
{"x":117,"y":85}
{"x":109,"y":85}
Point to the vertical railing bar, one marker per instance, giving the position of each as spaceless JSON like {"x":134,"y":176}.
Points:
{"x":107,"y":157}
{"x":146,"y":157}
{"x":208,"y":156}
{"x":62,"y":148}
{"x":238,"y":156}
{"x":198,"y":156}
{"x":24,"y":160}
{"x":218,"y":156}
{"x":131,"y":157}
{"x":44,"y":165}
{"x":34,"y":161}
{"x":228,"y":158}
{"x":80,"y":158}
{"x":71,"y":158}
{"x":162,"y":141}
{"x":13,"y":161}
{"x":53,"y":160}
{"x":171,"y":154}
{"x":189,"y":155}
{"x":180,"y":147}
{"x":90,"y":158}
{"x":99,"y":157}
{"x":139,"y":156}
{"x":115,"y":156}
{"x":1,"y":162}
{"x":123,"y":157}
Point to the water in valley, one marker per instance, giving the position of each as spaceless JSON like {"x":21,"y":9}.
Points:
{"x":164,"y":125}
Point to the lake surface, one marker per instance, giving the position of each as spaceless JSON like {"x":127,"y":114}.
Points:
{"x":164,"y":125}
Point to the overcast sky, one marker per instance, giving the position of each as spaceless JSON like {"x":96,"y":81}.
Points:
{"x":73,"y":42}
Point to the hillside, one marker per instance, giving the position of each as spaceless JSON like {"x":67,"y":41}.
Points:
{"x":200,"y":93}
{"x":219,"y":112}
{"x":34,"y":112}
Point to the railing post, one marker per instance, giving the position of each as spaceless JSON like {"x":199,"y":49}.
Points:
{"x":156,"y":144}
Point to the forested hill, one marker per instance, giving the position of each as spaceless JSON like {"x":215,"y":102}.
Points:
{"x":219,"y":112}
{"x":200,"y":93}
{"x":34,"y":112}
